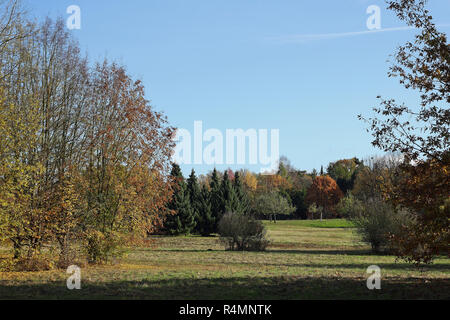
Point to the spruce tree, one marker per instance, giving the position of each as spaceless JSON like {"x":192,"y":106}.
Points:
{"x":216,"y":198}
{"x":244,"y":203}
{"x":176,"y":173}
{"x":182,"y":222}
{"x":229,"y":197}
{"x":194,"y":196}
{"x":206,"y":221}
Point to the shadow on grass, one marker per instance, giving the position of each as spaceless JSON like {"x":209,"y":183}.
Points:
{"x":353,"y":252}
{"x":356,"y":266}
{"x":235,"y":289}
{"x":392,"y":266}
{"x":293,"y":251}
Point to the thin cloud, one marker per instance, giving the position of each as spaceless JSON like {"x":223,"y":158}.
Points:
{"x":325,"y":36}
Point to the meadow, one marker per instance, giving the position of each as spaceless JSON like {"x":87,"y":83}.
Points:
{"x":307,"y":259}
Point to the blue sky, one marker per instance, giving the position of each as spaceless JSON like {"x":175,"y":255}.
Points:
{"x":233,"y":64}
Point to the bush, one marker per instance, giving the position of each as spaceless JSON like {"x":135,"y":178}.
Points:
{"x":101,"y":247}
{"x":37,"y":263}
{"x":242,"y":232}
{"x":376,"y":221}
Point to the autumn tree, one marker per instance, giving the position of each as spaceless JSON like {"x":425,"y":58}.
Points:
{"x":92,"y":154}
{"x":19,"y":135}
{"x":127,"y":144}
{"x":250,"y":181}
{"x":420,"y":133}
{"x":324,"y":192}
{"x":376,"y":177}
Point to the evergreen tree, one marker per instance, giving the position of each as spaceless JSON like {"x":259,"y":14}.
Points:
{"x":176,"y":171}
{"x":194,"y":193}
{"x":230,"y":200}
{"x":244,"y":203}
{"x":206,"y":222}
{"x":182,"y":221}
{"x":314,"y":174}
{"x":216,"y":197}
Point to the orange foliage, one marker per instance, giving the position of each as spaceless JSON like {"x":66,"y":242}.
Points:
{"x":424,"y":188}
{"x":273,"y":182}
{"x":324,"y":192}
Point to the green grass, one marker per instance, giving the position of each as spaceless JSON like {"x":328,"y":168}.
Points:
{"x":306,"y":260}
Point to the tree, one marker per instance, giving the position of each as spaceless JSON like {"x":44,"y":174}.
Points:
{"x":241,"y":194}
{"x":206,"y":223}
{"x":182,"y":219}
{"x":11,"y":22}
{"x":374,"y":179}
{"x":298,"y":199}
{"x":267,"y":183}
{"x":250,"y":181}
{"x":344,"y":172}
{"x":422,"y":65}
{"x":420,"y":133}
{"x":230,"y":200}
{"x":325,"y":193}
{"x":349,"y":206}
{"x":271,"y":204}
{"x":91,"y":152}
{"x":314,"y":174}
{"x":195,"y":196}
{"x":21,"y":222}
{"x":423,"y":188}
{"x":216,"y":197}
{"x":313,"y":209}
{"x":127,"y":145}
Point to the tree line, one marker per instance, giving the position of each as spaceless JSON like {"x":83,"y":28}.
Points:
{"x":198,"y":203}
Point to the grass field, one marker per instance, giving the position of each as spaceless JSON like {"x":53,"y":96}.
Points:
{"x":306,"y":260}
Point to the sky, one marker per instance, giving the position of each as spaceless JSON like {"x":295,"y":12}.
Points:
{"x":306,"y":68}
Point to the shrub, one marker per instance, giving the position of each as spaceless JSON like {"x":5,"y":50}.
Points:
{"x":376,"y":221}
{"x":242,"y":232}
{"x":37,"y":263}
{"x":101,"y":247}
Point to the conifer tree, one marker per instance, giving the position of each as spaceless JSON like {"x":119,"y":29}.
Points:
{"x":182,"y":222}
{"x":242,"y":197}
{"x":229,"y":197}
{"x":206,"y":222}
{"x":194,"y":193}
{"x":216,"y":197}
